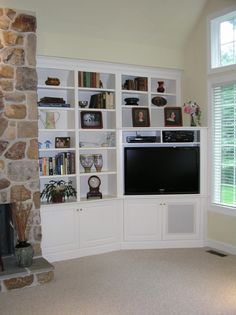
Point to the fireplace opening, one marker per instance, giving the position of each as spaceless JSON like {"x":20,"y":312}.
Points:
{"x":6,"y":231}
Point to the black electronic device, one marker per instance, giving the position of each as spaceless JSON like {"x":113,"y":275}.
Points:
{"x":178,"y":136}
{"x":161,"y":170}
{"x":142,"y":139}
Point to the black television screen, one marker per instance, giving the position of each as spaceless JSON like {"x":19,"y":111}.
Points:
{"x":161,"y":170}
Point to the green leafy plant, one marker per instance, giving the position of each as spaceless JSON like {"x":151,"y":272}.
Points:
{"x":58,"y":191}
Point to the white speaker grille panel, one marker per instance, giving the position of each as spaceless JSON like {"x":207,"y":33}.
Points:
{"x":180,"y":219}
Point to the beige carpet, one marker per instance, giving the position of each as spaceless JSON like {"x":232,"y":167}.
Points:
{"x":137,"y":282}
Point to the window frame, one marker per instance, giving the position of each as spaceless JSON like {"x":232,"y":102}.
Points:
{"x":225,"y":79}
{"x":213,"y":22}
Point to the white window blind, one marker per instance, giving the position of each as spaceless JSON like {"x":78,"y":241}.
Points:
{"x":224,"y":144}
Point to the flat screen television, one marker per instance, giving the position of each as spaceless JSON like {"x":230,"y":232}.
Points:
{"x":161,"y":170}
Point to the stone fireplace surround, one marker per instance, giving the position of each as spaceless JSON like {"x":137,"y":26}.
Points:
{"x":19,"y":177}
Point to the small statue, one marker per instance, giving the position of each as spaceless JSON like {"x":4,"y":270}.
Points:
{"x":47,"y":144}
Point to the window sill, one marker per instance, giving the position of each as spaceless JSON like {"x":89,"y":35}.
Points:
{"x":223,"y":69}
{"x":222,"y":210}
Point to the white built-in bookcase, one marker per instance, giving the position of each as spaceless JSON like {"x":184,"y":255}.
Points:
{"x":116,"y":120}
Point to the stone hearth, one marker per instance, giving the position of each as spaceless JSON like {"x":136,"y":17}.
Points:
{"x":14,"y":277}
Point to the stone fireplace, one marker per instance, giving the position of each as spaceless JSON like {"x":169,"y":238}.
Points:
{"x":19,"y":176}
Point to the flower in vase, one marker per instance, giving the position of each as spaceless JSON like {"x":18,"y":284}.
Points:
{"x":193,"y":109}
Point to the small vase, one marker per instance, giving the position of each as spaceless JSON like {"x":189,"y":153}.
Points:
{"x":98,"y":162}
{"x":24,"y":254}
{"x":160,"y":87}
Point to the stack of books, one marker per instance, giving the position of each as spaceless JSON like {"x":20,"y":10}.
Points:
{"x":52,"y":102}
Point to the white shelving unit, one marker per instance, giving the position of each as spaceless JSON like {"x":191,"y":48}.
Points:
{"x":83,"y":140}
{"x":115,"y":221}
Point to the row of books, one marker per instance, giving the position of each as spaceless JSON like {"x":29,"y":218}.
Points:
{"x":102,"y":100}
{"x":138,"y":84}
{"x":89,"y":79}
{"x":61,"y":164}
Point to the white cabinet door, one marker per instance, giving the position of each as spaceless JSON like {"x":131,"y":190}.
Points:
{"x":59,"y":228}
{"x":142,"y":220}
{"x":99,"y":224}
{"x":181,"y":219}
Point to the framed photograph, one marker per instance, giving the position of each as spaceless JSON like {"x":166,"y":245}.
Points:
{"x":140,"y":117}
{"x":173,"y":116}
{"x":91,"y":119}
{"x":62,"y":142}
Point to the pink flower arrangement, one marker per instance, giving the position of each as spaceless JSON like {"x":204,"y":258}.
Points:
{"x":193,"y":109}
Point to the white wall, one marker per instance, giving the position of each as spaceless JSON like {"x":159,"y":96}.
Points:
{"x":61,"y":33}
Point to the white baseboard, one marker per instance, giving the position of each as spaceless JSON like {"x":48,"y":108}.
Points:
{"x":224,"y":247}
{"x":64,"y":255}
{"x":162,"y":244}
{"x":71,"y":254}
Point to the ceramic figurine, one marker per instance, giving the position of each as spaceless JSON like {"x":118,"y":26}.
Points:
{"x":47,"y":144}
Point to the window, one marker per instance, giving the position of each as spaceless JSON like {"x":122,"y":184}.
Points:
{"x":224,"y":143}
{"x":223,"y":40}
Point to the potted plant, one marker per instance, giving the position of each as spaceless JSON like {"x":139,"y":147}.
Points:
{"x":58,"y":191}
{"x":23,"y":250}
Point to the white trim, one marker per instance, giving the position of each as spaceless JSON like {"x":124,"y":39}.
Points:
{"x":227,"y":248}
{"x":162,"y":244}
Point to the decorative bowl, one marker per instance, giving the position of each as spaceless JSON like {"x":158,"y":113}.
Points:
{"x":131,"y":101}
{"x":52,"y":81}
{"x":83,"y":104}
{"x":159,"y":101}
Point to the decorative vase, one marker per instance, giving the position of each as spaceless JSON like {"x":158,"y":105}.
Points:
{"x":98,"y":162}
{"x":86,"y":161}
{"x":50,"y":120}
{"x":160,"y":87}
{"x":192,"y":121}
{"x":24,"y":254}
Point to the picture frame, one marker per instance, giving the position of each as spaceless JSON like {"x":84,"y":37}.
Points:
{"x":173,"y":116}
{"x":140,"y":117}
{"x":91,"y":119}
{"x":62,"y":142}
